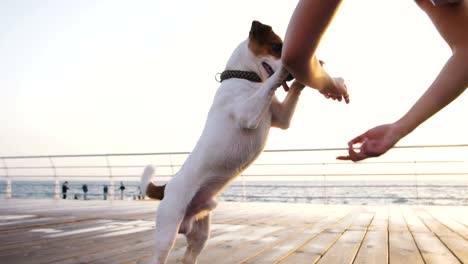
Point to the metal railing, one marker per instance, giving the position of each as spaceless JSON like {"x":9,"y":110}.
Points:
{"x":297,"y":175}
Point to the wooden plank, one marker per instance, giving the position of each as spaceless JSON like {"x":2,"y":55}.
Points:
{"x":453,"y":241}
{"x":345,"y":249}
{"x":37,"y":222}
{"x":252,"y":216}
{"x":445,"y":218}
{"x":46,"y":231}
{"x":402,"y":248}
{"x":431,"y":248}
{"x":242,"y":248}
{"x":313,"y":249}
{"x":131,"y":247}
{"x":374,"y":248}
{"x":72,"y":246}
{"x":233,"y":248}
{"x":134,"y":252}
{"x":258,"y":219}
{"x":109,"y":209}
{"x":457,"y":213}
{"x":219,"y":233}
{"x":21,"y":240}
{"x":229,"y":237}
{"x":279,"y":250}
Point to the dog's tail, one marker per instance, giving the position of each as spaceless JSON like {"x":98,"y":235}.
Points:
{"x":148,"y":188}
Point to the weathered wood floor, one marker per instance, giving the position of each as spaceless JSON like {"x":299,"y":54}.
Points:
{"x":47,"y":231}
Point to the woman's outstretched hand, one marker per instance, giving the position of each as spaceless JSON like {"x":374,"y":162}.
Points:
{"x":374,"y":142}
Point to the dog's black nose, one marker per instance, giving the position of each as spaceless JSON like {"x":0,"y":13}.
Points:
{"x":289,"y":78}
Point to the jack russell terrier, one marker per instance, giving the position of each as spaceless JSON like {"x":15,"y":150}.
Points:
{"x":244,"y":108}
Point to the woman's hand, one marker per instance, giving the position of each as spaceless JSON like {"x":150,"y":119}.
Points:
{"x":374,"y":142}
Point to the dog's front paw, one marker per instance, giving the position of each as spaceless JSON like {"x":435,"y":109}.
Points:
{"x":281,"y":74}
{"x":297,"y":85}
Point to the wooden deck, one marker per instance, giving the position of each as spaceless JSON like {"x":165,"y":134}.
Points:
{"x":46,"y":231}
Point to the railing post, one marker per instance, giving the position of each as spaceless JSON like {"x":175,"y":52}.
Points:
{"x":172,"y":165}
{"x":8,"y":181}
{"x":416,"y":181}
{"x":465,"y":170}
{"x":56,"y":180}
{"x":111,"y":180}
{"x":244,"y":193}
{"x":325,"y":195}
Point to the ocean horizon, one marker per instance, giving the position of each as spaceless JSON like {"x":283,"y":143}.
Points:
{"x":329,"y":192}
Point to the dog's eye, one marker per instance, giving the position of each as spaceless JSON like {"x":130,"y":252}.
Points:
{"x":277,"y":47}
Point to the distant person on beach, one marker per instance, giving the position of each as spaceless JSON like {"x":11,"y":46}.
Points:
{"x":122,"y":189}
{"x":305,"y":30}
{"x":65,"y":189}
{"x":105,"y":190}
{"x":85,"y":191}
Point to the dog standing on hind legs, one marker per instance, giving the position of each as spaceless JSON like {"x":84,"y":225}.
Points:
{"x":243,"y":110}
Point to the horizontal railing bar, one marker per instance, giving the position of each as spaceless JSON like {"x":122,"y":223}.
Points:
{"x":72,"y":167}
{"x":342,"y":197}
{"x":287,"y":197}
{"x":255,"y":164}
{"x":279,"y":175}
{"x":350,"y":186}
{"x":340,"y":149}
{"x":86,"y":176}
{"x":320,"y":186}
{"x":68,"y":176}
{"x":87,"y":167}
{"x":359,"y":174}
{"x":186,"y":153}
{"x":367,"y":163}
{"x":95,"y":155}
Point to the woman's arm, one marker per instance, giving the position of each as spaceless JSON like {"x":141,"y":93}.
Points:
{"x":449,"y":84}
{"x":451,"y":22}
{"x":305,"y":30}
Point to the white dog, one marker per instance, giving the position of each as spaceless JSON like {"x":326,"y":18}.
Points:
{"x":236,"y":130}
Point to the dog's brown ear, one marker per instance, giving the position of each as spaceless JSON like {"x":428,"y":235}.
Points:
{"x":254,"y":29}
{"x":259,"y":31}
{"x":255,"y":26}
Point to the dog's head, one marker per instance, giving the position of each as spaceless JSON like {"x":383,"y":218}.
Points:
{"x":260,"y":53}
{"x":266,"y":46}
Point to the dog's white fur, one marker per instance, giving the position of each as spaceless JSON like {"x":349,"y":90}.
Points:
{"x":235,"y":134}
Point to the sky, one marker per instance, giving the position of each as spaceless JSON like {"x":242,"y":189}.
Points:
{"x":111,"y":76}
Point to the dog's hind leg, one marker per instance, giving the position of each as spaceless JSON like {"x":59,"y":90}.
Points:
{"x":196,"y":210}
{"x":196,"y":239}
{"x":169,"y":215}
{"x":168,"y":218}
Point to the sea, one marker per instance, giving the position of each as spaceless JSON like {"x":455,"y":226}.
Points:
{"x":332,"y":192}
